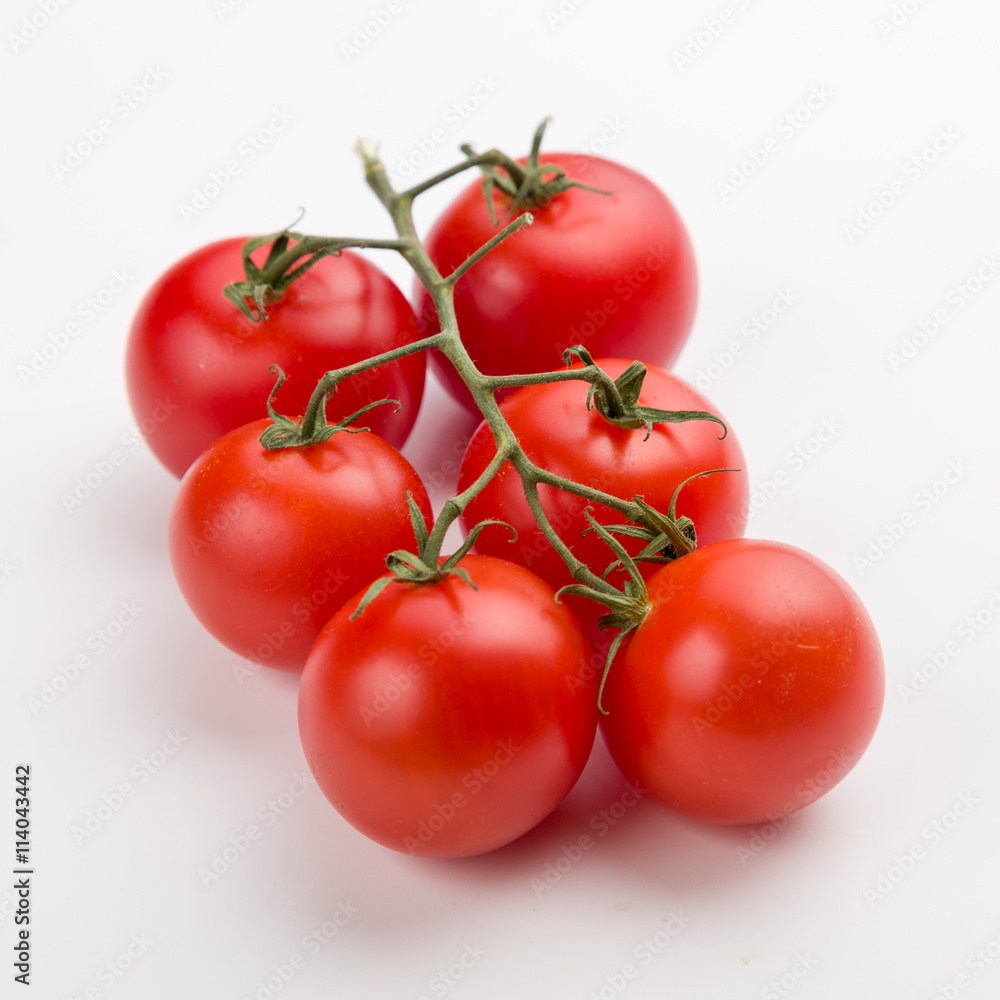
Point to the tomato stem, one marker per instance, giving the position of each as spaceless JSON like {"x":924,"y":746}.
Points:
{"x":316,"y":408}
{"x":474,"y":258}
{"x":263,"y":285}
{"x":526,"y":185}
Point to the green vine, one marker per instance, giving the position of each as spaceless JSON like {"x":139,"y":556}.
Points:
{"x":527,"y":185}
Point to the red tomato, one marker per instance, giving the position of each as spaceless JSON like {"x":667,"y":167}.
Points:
{"x":752,"y":687}
{"x":446,"y":721}
{"x":266,"y":545}
{"x":559,"y":434}
{"x":615,"y":273}
{"x":196,"y":367}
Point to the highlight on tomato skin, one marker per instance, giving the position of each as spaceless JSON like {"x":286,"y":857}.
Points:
{"x":446,"y":721}
{"x":753,"y":686}
{"x":194,"y":357}
{"x":266,"y":545}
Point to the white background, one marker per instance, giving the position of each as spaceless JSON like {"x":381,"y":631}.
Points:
{"x":799,"y":911}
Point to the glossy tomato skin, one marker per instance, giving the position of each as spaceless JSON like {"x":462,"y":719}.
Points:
{"x":192,"y":355}
{"x":557,"y":432}
{"x":446,"y":721}
{"x":753,"y":686}
{"x":266,"y":545}
{"x":615,"y":273}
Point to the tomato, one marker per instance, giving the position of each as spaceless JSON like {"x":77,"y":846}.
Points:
{"x":613,"y":272}
{"x":193,"y":357}
{"x":752,"y":687}
{"x":446,"y":721}
{"x":266,"y":545}
{"x":558,"y":433}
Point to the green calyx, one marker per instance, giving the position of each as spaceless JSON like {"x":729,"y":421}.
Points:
{"x":528,"y":185}
{"x":422,"y":567}
{"x":667,"y":536}
{"x":290,"y":256}
{"x":264,"y":285}
{"x":626,"y":608}
{"x":623,"y":408}
{"x":312,"y":428}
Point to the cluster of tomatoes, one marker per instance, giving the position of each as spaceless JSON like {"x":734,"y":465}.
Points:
{"x":447,"y":717}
